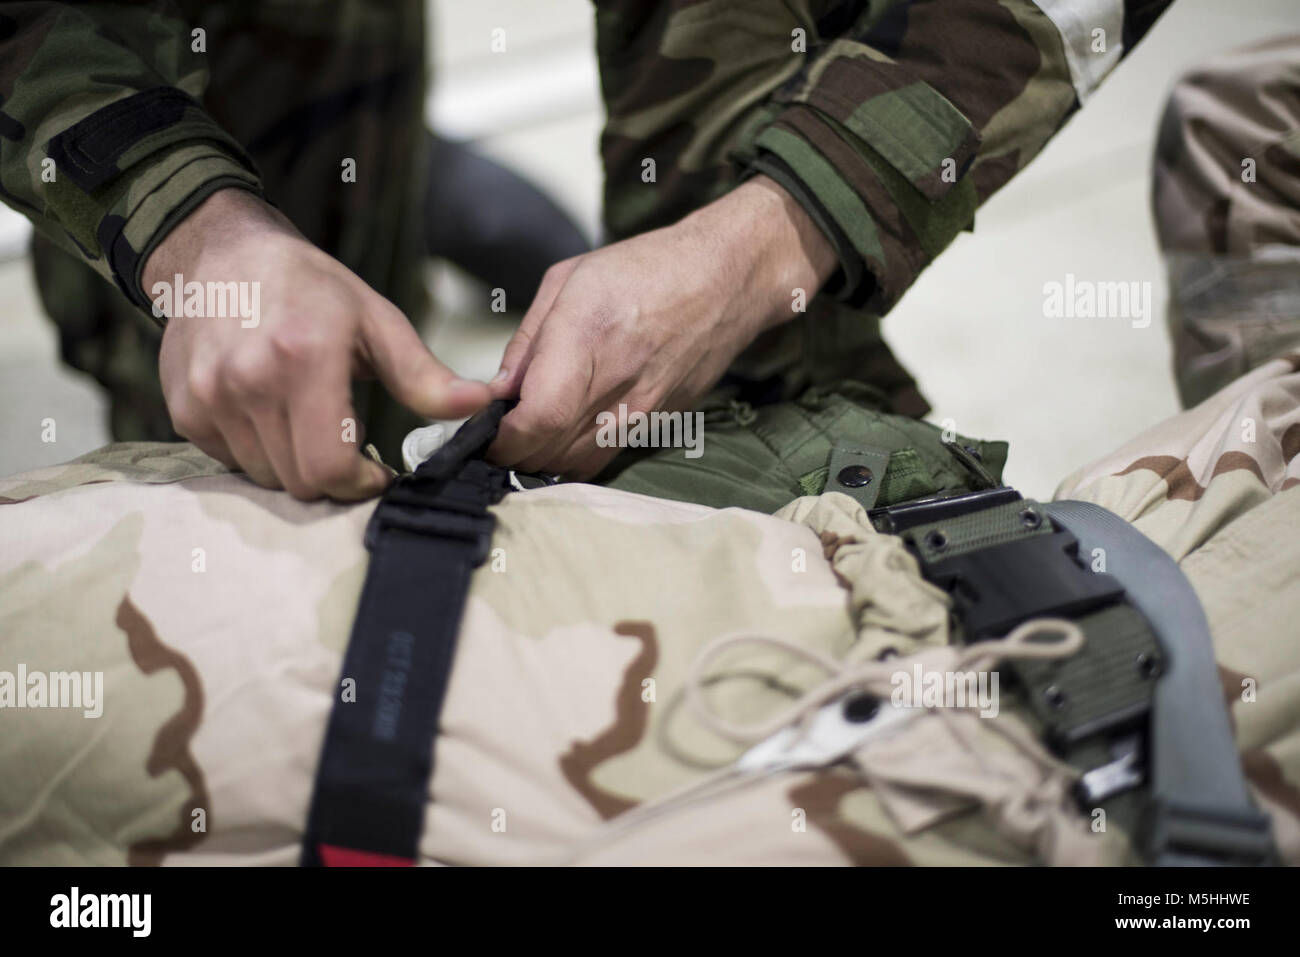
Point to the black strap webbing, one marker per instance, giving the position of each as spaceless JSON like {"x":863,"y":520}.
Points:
{"x":431,"y":529}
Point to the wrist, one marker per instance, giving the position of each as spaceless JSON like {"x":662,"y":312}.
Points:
{"x":777,"y":255}
{"x":226,"y":218}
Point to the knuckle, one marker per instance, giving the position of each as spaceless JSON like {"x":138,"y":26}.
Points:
{"x":189,"y":426}
{"x":603,"y":322}
{"x":190,"y":419}
{"x":296,"y":344}
{"x":203,"y":387}
{"x":250,"y":375}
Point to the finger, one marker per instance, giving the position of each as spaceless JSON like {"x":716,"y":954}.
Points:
{"x":413,"y":376}
{"x":192,"y":421}
{"x":560,"y":457}
{"x":326,"y":442}
{"x":213,"y":446}
{"x":199,"y":432}
{"x":552,"y":406}
{"x":584,"y":459}
{"x":240,"y":436}
{"x":519,"y":350}
{"x":578,"y":442}
{"x":271,"y":423}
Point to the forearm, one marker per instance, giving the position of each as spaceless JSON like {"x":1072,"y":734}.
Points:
{"x":107,"y":145}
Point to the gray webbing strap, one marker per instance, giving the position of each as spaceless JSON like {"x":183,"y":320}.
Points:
{"x":1201,"y":811}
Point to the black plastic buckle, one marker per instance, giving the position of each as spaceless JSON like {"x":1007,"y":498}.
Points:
{"x":995,"y":589}
{"x":419,"y":504}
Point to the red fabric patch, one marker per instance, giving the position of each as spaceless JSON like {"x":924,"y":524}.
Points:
{"x":349,"y":857}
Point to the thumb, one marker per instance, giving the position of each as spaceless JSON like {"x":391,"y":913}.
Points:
{"x":519,"y":350}
{"x":414,"y":376}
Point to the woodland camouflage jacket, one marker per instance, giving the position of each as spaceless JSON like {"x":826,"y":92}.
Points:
{"x":889,"y":121}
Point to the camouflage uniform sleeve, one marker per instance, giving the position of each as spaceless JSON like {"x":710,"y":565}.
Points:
{"x":104,"y":145}
{"x":899,"y":125}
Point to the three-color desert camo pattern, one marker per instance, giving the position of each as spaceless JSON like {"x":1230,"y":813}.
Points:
{"x":218,"y":613}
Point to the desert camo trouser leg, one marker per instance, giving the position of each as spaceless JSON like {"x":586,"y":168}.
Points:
{"x":1226,"y":194}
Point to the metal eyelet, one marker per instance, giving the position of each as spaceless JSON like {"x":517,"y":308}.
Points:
{"x":1054,"y":697}
{"x":936,"y":539}
{"x":1149,"y":665}
{"x":861,"y":708}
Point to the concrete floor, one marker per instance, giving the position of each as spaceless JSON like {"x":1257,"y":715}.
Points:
{"x":972,"y":329}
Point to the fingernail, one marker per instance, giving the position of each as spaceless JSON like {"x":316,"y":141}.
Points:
{"x":502,"y":375}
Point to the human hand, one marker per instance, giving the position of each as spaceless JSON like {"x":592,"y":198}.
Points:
{"x":651,"y":322}
{"x":270,"y":393}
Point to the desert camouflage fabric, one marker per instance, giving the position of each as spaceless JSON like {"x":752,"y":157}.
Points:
{"x":1226,"y":195}
{"x":575,"y":726}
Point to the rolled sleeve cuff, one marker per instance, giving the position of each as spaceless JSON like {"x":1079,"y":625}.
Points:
{"x":134,"y":169}
{"x":884,"y":181}
{"x":166,"y":191}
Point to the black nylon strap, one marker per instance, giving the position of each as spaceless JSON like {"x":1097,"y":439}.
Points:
{"x":428,"y":533}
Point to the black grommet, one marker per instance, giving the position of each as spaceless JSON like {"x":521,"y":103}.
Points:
{"x":936,"y":539}
{"x":1149,"y":665}
{"x":886,"y":653}
{"x":1054,"y":697}
{"x":974,"y":453}
{"x":860,"y":708}
{"x":854,"y":476}
{"x":1031,"y":518}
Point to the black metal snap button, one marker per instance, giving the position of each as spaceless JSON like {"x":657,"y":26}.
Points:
{"x":854,"y":476}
